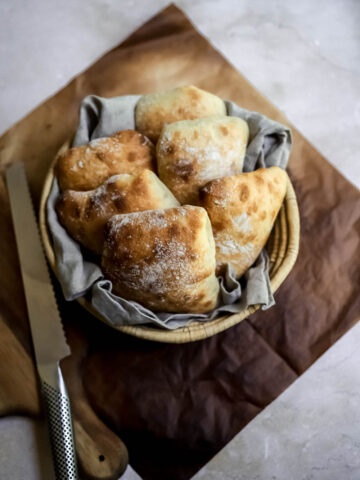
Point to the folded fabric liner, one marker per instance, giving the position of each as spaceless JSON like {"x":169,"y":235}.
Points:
{"x":269,"y":145}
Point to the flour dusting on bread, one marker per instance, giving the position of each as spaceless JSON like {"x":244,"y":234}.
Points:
{"x":190,"y":153}
{"x":242,"y":229}
{"x":88,"y":166}
{"x":166,"y":206}
{"x":84,"y":214}
{"x":163,"y":258}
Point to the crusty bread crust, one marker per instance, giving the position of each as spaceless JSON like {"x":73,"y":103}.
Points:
{"x":88,"y":166}
{"x":163,"y":259}
{"x":84,"y":214}
{"x":242,"y":210}
{"x":190,"y":153}
{"x":121,"y":198}
{"x":154,"y":110}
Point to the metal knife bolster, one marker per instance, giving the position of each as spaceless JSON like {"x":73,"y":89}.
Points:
{"x":58,"y":413}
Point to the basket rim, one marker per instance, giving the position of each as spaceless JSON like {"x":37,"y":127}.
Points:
{"x":286,"y":230}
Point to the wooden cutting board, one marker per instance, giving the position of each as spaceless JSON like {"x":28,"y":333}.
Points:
{"x":164,"y":53}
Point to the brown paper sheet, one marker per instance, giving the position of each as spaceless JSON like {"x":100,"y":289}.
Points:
{"x":175,"y":406}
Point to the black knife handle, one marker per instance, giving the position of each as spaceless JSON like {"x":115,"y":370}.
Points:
{"x":58,"y":413}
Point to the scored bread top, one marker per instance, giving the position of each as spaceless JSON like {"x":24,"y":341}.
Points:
{"x":190,"y":153}
{"x":164,"y":259}
{"x":154,"y":110}
{"x":88,"y":166}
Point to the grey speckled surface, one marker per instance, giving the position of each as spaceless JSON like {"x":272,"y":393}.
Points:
{"x":305,"y":57}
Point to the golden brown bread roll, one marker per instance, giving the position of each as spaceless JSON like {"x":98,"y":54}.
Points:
{"x":190,"y":153}
{"x":154,"y":110}
{"x":88,"y":166}
{"x":242,"y":210}
{"x":84,"y":214}
{"x":163,"y":259}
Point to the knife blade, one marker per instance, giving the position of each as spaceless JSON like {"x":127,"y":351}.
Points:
{"x":47,"y":331}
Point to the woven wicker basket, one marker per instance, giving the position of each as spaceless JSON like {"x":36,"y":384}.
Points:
{"x":282,"y":248}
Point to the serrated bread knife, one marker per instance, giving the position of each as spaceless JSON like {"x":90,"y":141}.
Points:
{"x":46,"y":328}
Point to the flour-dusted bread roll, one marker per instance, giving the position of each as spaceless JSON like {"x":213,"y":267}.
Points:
{"x":154,"y":110}
{"x":242,"y":210}
{"x":84,"y":214}
{"x":163,"y":259}
{"x":190,"y":153}
{"x":88,"y":166}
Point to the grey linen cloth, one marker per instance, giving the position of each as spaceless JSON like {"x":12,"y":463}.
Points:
{"x":80,"y":275}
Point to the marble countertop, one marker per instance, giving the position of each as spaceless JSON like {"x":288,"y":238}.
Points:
{"x":303,"y":56}
{"x":310,"y":432}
